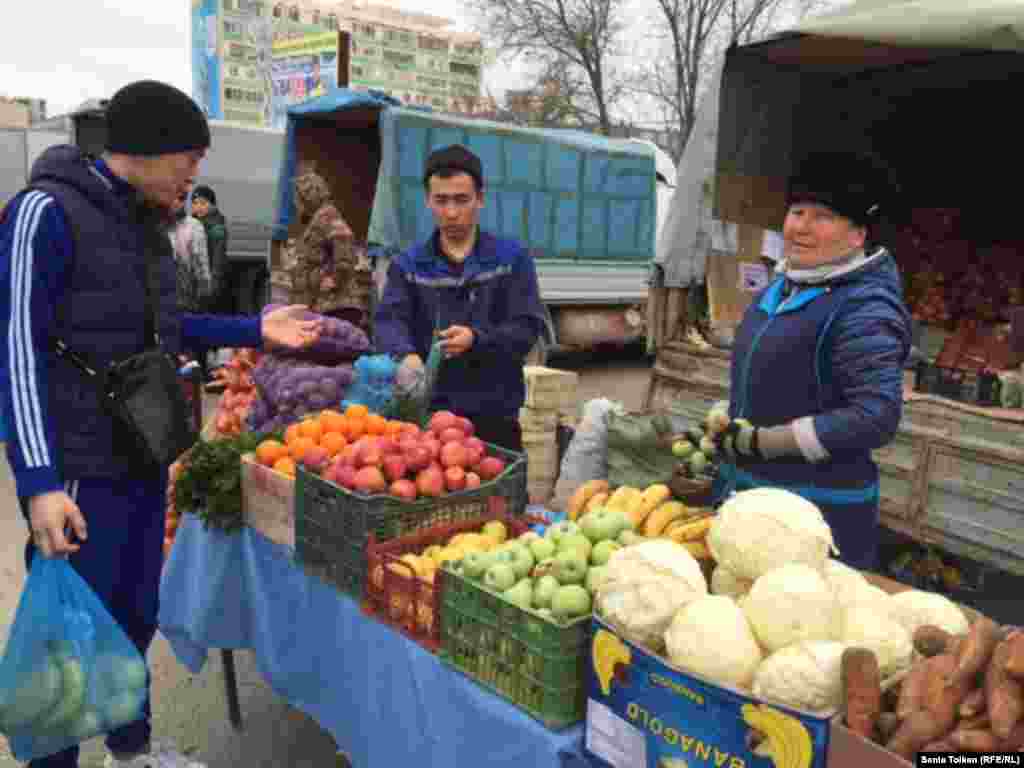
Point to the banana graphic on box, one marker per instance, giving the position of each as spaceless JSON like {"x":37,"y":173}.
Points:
{"x":786,"y":741}
{"x":608,"y":651}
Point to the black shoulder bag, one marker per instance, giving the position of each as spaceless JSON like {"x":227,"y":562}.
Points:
{"x":143,"y":393}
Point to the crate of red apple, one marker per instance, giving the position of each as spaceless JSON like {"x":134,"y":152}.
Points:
{"x":396,"y":484}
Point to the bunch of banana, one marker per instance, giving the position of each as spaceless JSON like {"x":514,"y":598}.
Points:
{"x":786,"y":740}
{"x":691,"y":534}
{"x":591,"y":493}
{"x":607,"y":651}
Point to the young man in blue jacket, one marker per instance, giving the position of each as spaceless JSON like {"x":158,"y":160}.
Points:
{"x":477,"y":292}
{"x":73,"y":253}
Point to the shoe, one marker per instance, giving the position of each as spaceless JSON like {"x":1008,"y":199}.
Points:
{"x":158,"y":756}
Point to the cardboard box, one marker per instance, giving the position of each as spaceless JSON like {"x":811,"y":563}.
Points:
{"x":549,"y":389}
{"x":268,"y":501}
{"x":538,"y":420}
{"x":654,"y":714}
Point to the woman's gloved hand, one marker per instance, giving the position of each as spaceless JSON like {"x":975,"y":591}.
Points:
{"x":741,"y":439}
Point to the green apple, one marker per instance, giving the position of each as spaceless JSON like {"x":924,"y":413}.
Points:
{"x":528,"y":538}
{"x":474,"y":564}
{"x":577,"y":541}
{"x":500,"y":577}
{"x":600,"y":525}
{"x":521,"y":594}
{"x":629,"y":538}
{"x":559,"y":531}
{"x":544,"y":567}
{"x":522,"y":561}
{"x":602,"y":552}
{"x":543,"y":590}
{"x":570,"y":567}
{"x":542,"y":549}
{"x":495,"y":530}
{"x":625,"y":521}
{"x":570,"y":602}
{"x":595,"y":576}
{"x":681,"y":449}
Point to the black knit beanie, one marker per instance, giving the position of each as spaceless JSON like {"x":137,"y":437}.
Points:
{"x":149,"y":118}
{"x":855,"y":185}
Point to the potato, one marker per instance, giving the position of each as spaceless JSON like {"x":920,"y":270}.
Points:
{"x":912,"y":690}
{"x":921,"y":728}
{"x":862,"y":690}
{"x":973,"y":704}
{"x":1004,"y":696}
{"x":943,"y":692}
{"x":974,"y":654}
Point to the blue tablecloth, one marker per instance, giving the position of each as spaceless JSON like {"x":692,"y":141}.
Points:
{"x":386,"y":700}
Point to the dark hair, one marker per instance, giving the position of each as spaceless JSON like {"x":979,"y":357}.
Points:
{"x":206,"y":193}
{"x":451,"y":161}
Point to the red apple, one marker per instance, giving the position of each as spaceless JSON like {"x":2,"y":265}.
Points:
{"x":410,"y":430}
{"x":433,"y":446}
{"x":370,"y":480}
{"x":407,"y":442}
{"x":476,"y":444}
{"x":430,"y":482}
{"x":453,"y":455}
{"x":349,"y":455}
{"x":491,"y":467}
{"x":388,"y":445}
{"x":452,"y":434}
{"x":472,"y":480}
{"x":370,"y":454}
{"x":436,"y":466}
{"x":466,"y":426}
{"x":331,"y":474}
{"x":315,"y":459}
{"x":394,"y":467}
{"x":441,"y":421}
{"x":455,"y":479}
{"x":474,"y":453}
{"x":404,"y":489}
{"x":346,"y":475}
{"x":417,"y":458}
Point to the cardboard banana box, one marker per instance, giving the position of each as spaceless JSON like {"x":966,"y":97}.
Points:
{"x":644,"y":713}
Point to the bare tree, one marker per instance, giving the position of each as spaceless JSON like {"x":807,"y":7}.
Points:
{"x":570,"y":41}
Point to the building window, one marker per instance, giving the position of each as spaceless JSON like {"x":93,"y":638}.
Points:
{"x":331,"y":22}
{"x":278,"y":11}
{"x":468,"y":70}
{"x":293,"y":13}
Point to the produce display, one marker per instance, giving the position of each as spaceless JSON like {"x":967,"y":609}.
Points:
{"x":368,"y":454}
{"x":963,"y":693}
{"x":340,"y":341}
{"x":233,"y":407}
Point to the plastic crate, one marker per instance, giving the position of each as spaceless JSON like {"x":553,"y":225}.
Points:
{"x":333,"y":524}
{"x":536,"y":663}
{"x":972,"y":387}
{"x":412,"y":604}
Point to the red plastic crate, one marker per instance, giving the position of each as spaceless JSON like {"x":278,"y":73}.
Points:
{"x":409,"y":603}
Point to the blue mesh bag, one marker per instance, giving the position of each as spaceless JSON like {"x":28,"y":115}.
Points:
{"x":69,"y":672}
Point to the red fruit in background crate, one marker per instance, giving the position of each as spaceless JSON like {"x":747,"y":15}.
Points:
{"x":315,"y":459}
{"x":417,"y":458}
{"x":491,"y":467}
{"x":475,"y":451}
{"x":466,"y":426}
{"x":331,"y":473}
{"x":452,"y":434}
{"x":349,"y":456}
{"x":454,"y":455}
{"x":370,"y":480}
{"x":472,"y":480}
{"x":346,"y":476}
{"x":369,"y":453}
{"x":430,"y":482}
{"x":455,"y":479}
{"x":388,"y":445}
{"x":433,"y":447}
{"x":404,"y":489}
{"x":441,"y":421}
{"x":394,"y":467}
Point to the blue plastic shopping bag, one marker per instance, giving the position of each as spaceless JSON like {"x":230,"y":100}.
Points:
{"x":68,"y":672}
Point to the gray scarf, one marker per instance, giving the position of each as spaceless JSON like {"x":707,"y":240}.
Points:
{"x":827,"y":272}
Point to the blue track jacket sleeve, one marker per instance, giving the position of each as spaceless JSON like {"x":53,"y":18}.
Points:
{"x":870,"y":347}
{"x":36,"y":249}
{"x":524,"y":315}
{"x":394,"y":316}
{"x":221,"y":331}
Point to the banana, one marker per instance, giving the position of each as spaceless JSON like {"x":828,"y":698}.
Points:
{"x":580,"y":497}
{"x":786,"y":738}
{"x":679,"y":522}
{"x":625,"y":500}
{"x":698,"y":549}
{"x":692,"y":530}
{"x":607,"y":651}
{"x":597,"y":500}
{"x":658,"y":520}
{"x":652,"y":497}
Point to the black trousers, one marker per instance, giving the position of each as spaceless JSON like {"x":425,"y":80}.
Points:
{"x":499,"y":430}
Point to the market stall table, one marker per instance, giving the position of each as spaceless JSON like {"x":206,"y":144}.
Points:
{"x":384,"y":699}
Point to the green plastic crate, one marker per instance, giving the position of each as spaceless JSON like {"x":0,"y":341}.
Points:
{"x":536,"y":663}
{"x":332,"y":524}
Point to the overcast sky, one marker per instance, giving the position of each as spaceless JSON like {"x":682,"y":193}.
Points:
{"x":69,"y":51}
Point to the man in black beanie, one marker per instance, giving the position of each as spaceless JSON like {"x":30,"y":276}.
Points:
{"x":76,"y":247}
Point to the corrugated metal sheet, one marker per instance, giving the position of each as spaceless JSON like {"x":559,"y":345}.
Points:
{"x":565,"y":195}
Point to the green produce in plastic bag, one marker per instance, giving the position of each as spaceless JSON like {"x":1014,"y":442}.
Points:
{"x":640,"y":447}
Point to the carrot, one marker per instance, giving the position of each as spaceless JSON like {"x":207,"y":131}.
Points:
{"x":1003,"y":694}
{"x":921,"y":728}
{"x":931,"y":641}
{"x":976,"y":651}
{"x":862,"y":690}
{"x":1015,"y":656}
{"x":912,"y":690}
{"x":973,"y":704}
{"x":974,"y":741}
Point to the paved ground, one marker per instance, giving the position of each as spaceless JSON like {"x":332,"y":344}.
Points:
{"x":192,"y":709}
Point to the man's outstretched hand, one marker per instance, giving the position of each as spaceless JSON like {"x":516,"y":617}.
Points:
{"x":286,"y":327}
{"x":457,"y":340}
